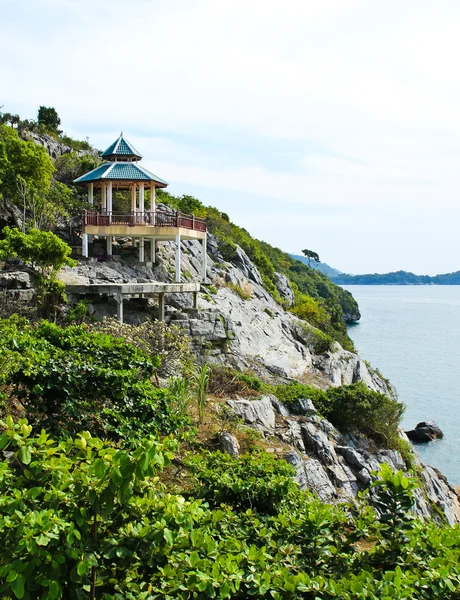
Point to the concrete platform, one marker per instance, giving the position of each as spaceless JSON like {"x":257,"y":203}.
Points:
{"x":121,"y":290}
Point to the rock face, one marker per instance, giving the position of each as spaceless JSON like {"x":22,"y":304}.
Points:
{"x":425,"y":432}
{"x":337,"y":467}
{"x":249,"y":331}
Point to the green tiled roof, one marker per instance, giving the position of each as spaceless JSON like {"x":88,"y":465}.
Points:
{"x":121,"y":147}
{"x":126,"y":171}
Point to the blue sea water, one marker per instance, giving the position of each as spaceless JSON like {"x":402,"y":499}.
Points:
{"x":412,"y":335}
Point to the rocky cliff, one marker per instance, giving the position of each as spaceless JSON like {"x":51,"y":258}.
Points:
{"x":237,"y":322}
{"x":335,"y":466}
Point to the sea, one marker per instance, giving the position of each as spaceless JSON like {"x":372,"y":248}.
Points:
{"x":412,"y":335}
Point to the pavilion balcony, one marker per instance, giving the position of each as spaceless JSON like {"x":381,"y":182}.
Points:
{"x":155,"y":219}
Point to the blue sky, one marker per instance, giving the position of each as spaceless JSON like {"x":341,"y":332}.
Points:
{"x":331,"y":125}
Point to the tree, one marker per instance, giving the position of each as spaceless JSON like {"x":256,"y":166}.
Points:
{"x":311,"y":256}
{"x":46,"y":254}
{"x":48,"y":117}
{"x":26,"y":160}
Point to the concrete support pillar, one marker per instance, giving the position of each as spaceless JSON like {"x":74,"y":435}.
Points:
{"x":195,"y":299}
{"x":109,"y":246}
{"x":161,"y":307}
{"x":133,"y":197}
{"x":178,"y":258}
{"x":152,"y":203}
{"x":119,"y":300}
{"x":84,"y":245}
{"x":91,"y":194}
{"x":141,"y":199}
{"x":152,"y":250}
{"x":141,"y":249}
{"x":204,"y":252}
{"x":103,"y":197}
{"x":109,"y":200}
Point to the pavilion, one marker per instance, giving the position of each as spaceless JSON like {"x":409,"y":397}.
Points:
{"x":122,"y":173}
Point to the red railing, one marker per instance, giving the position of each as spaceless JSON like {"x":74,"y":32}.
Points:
{"x":157,"y":218}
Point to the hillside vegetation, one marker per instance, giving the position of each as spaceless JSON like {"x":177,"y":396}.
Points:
{"x":317,"y":300}
{"x":147,"y":511}
{"x":44,"y":189}
{"x":110,"y":485}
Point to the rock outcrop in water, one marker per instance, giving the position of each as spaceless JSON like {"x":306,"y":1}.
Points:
{"x":426,"y":431}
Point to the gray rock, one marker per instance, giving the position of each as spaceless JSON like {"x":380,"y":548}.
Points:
{"x":310,"y":475}
{"x":15,"y":280}
{"x":316,"y":441}
{"x":284,"y":288}
{"x":352,"y":457}
{"x":258,"y":413}
{"x":229,"y":444}
{"x":425,"y":432}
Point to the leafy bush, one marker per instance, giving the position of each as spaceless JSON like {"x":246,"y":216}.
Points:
{"x":226,"y":381}
{"x":69,"y":379}
{"x":351,"y":407}
{"x":255,"y":481}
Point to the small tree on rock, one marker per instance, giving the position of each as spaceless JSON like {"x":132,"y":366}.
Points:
{"x":48,"y":117}
{"x":311,"y":256}
{"x":46,"y":254}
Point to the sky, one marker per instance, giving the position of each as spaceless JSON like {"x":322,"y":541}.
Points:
{"x":331,"y":125}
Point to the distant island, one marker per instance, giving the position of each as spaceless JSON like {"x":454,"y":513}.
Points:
{"x":394,"y":278}
{"x":397,"y":278}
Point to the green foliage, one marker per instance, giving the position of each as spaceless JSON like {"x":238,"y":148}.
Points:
{"x":42,"y":250}
{"x":254,"y":481}
{"x":226,"y":381}
{"x":244,"y":294}
{"x":351,"y":407}
{"x":167,"y":342}
{"x":26,"y":161}
{"x":317,"y":340}
{"x":46,"y":254}
{"x":69,"y":379}
{"x":63,"y":507}
{"x":200,"y":380}
{"x":311,"y":256}
{"x":83,"y":519}
{"x":48,"y":117}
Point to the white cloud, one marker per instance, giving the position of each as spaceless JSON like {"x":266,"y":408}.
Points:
{"x":367,"y":93}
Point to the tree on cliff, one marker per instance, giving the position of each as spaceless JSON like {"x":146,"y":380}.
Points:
{"x":48,"y":117}
{"x":311,"y":256}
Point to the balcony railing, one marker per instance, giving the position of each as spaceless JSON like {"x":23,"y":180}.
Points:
{"x":156,"y":218}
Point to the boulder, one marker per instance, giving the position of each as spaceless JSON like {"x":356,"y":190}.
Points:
{"x":425,"y":432}
{"x":258,"y":413}
{"x":229,"y":444}
{"x":284,"y":288}
{"x":15,"y":280}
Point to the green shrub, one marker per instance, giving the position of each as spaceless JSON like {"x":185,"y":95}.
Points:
{"x":69,"y":379}
{"x":256,"y":481}
{"x":352,"y":407}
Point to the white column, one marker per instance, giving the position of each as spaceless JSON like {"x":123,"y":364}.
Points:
{"x":103,"y":197}
{"x":91,"y":194}
{"x":152,"y":203}
{"x":178,"y":258}
{"x":204,"y":252}
{"x":84,"y":245}
{"x":109,"y":200}
{"x":133,"y":197}
{"x":141,"y":200}
{"x":109,"y":246}
{"x":152,"y":250}
{"x":119,"y":301}
{"x":141,"y":249}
